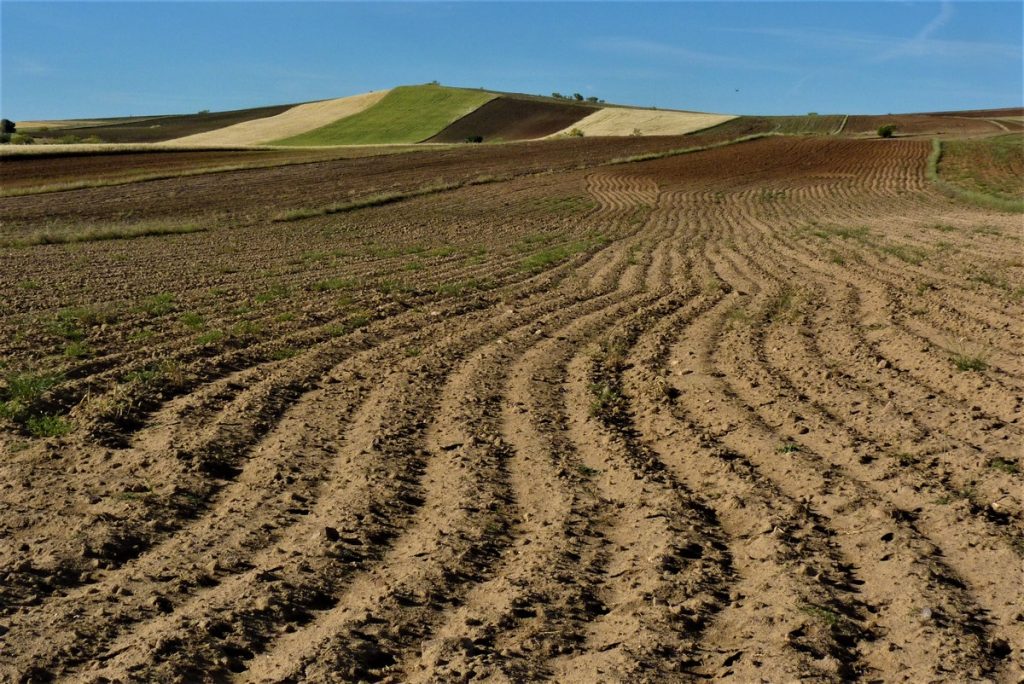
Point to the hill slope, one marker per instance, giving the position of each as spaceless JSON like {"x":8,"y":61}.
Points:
{"x":513,"y":118}
{"x":295,"y":121}
{"x":625,"y":121}
{"x":407,"y":114}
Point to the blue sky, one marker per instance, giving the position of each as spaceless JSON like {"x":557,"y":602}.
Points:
{"x":80,"y":59}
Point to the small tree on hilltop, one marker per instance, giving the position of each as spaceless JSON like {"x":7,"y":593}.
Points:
{"x":886,"y":130}
{"x":7,"y":126}
{"x":577,"y":97}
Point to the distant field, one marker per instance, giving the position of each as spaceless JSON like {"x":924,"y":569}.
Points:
{"x":623,"y":121}
{"x":161,"y":128}
{"x":25,"y":174}
{"x":922,"y":124}
{"x":295,"y":121}
{"x":514,"y":118}
{"x":407,"y":114}
{"x":993,"y":166}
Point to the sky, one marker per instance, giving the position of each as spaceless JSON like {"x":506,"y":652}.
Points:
{"x":96,"y":59}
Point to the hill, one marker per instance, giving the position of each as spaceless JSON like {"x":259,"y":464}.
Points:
{"x":407,"y":114}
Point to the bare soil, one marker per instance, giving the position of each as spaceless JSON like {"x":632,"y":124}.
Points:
{"x":509,"y":118}
{"x":699,"y":417}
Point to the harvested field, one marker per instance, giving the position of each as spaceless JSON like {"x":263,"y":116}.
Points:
{"x":511,"y":118}
{"x":624,"y":121}
{"x":163,"y":128}
{"x":298,"y":119}
{"x":752,"y":412}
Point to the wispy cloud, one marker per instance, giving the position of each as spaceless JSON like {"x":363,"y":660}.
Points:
{"x":921,"y":43}
{"x":642,"y":47}
{"x":30,"y":67}
{"x":880,"y":48}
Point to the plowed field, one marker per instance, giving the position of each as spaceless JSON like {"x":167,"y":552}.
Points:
{"x":752,"y":413}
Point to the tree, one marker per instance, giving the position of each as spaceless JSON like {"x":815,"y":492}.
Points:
{"x":886,"y":130}
{"x":558,"y":96}
{"x":7,"y":126}
{"x":592,"y":99}
{"x":577,"y":97}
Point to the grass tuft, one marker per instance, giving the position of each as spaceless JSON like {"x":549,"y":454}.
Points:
{"x":102,"y":232}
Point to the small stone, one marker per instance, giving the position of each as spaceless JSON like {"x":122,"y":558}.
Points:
{"x":161,"y":604}
{"x":926,"y":614}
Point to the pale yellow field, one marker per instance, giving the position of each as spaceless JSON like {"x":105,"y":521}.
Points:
{"x":616,"y":121}
{"x":298,"y":119}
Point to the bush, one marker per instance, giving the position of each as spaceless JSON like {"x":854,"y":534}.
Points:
{"x":577,"y":97}
{"x":475,"y":139}
{"x":22,"y":139}
{"x":575,"y":133}
{"x":7,"y":126}
{"x":68,"y":139}
{"x":592,"y":99}
{"x":5,"y":138}
{"x":886,"y":130}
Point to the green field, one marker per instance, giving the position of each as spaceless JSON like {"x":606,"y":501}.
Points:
{"x":990,"y":166}
{"x":407,"y":114}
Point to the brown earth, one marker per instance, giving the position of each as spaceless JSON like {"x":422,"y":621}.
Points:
{"x":696,"y":417}
{"x":985,"y":113}
{"x":507,"y":118}
{"x":30,"y":171}
{"x":923,"y":125}
{"x":250,"y":193}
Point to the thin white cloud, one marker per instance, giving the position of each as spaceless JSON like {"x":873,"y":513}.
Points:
{"x":874,"y":47}
{"x":643,"y":47}
{"x":921,"y":43}
{"x":30,"y":67}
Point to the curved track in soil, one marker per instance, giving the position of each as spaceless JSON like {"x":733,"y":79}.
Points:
{"x":690,"y":418}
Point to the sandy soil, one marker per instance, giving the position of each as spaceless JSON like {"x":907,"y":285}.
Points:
{"x":692,"y":418}
{"x":298,"y":119}
{"x":621,"y":121}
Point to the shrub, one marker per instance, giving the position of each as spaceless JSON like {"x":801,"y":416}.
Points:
{"x":68,"y":139}
{"x":22,"y":139}
{"x":886,"y":130}
{"x":7,"y":126}
{"x":575,"y":133}
{"x":475,"y":139}
{"x":592,"y":99}
{"x":577,"y":97}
